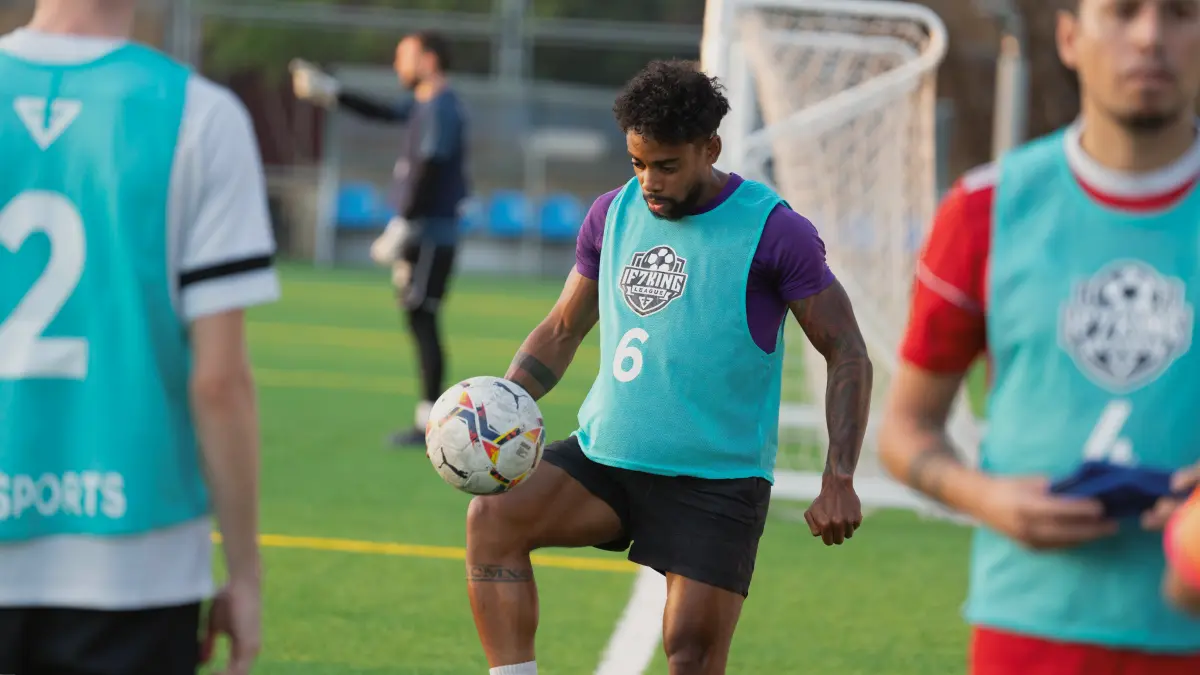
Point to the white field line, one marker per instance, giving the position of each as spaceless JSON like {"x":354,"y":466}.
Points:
{"x":639,"y":630}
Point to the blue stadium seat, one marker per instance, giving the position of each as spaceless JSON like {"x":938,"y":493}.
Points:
{"x":508,"y":214}
{"x":472,"y":216}
{"x":360,"y":206}
{"x":560,"y":217}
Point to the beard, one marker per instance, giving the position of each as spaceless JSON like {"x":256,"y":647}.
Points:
{"x":1149,"y":121}
{"x":676,"y":209}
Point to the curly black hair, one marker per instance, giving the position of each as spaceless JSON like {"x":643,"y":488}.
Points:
{"x":671,"y":102}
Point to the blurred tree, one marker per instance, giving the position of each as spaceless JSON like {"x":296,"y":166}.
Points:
{"x":233,"y":46}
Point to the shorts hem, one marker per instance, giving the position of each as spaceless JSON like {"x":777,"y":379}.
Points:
{"x":692,"y":573}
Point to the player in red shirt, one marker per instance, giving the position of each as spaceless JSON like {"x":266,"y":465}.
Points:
{"x":1133,"y":151}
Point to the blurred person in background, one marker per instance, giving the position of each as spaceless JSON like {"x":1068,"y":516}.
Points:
{"x":1072,"y":264}
{"x":133,"y":233}
{"x":430,"y":183}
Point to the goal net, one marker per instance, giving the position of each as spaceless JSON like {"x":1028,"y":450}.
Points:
{"x":833,"y":104}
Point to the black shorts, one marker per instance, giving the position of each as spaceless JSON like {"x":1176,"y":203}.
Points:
{"x":702,"y":529}
{"x":428,"y":279}
{"x":162,"y":641}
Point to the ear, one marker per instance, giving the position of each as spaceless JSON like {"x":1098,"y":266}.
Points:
{"x":712,"y":149}
{"x":1065,"y":33}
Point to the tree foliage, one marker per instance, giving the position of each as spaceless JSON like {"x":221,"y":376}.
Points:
{"x":237,"y":46}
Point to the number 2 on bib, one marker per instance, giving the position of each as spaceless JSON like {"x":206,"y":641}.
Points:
{"x":24,"y":353}
{"x":629,"y":355}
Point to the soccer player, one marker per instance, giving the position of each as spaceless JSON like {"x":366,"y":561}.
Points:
{"x":690,"y":273}
{"x":1073,"y":264}
{"x":133,"y":234}
{"x":430,"y":184}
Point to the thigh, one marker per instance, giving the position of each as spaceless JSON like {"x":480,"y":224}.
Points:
{"x":995,"y":652}
{"x":427,"y":277}
{"x":698,"y":623}
{"x":568,"y":501}
{"x":160,"y":641}
{"x":14,"y":636}
{"x":704,"y":530}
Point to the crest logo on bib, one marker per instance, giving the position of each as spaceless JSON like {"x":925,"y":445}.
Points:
{"x":652,"y":280}
{"x":1126,"y":325}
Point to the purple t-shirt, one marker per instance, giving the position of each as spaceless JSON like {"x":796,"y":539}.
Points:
{"x":788,"y":265}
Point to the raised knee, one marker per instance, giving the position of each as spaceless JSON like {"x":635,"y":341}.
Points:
{"x":687,"y":651}
{"x":492,"y":527}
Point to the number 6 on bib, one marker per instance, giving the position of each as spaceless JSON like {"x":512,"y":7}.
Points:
{"x":626,"y":351}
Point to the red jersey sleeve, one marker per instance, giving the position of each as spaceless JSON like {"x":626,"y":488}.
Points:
{"x":947,"y":327}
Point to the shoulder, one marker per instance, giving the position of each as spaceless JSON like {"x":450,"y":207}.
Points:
{"x":792,"y":255}
{"x":788,"y":235}
{"x":591,"y":235}
{"x":599,"y":210}
{"x":784,"y":221}
{"x":966,"y":209}
{"x":448,"y":102}
{"x":214,"y":113}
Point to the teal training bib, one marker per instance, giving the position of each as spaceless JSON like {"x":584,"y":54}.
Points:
{"x":1090,"y":327}
{"x":682,"y":388}
{"x":96,"y":436}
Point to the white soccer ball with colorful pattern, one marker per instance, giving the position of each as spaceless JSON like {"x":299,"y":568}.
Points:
{"x":485,"y":435}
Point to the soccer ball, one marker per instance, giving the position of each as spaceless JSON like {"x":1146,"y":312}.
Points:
{"x":485,"y":435}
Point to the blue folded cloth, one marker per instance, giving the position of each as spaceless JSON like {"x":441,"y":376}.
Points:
{"x":1125,"y":491}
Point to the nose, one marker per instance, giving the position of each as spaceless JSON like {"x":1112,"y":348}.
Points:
{"x":1147,"y":29}
{"x":652,"y":181}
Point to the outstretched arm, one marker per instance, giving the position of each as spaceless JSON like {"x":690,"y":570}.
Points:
{"x":310,"y":83}
{"x":544,"y":356}
{"x":369,"y":108}
{"x":828,"y":320}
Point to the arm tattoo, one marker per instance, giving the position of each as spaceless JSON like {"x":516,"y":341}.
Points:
{"x":540,"y":372}
{"x":498,"y":574}
{"x":927,"y":471}
{"x":828,"y":320}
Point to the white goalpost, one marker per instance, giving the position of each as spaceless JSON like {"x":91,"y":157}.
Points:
{"x":833,"y":104}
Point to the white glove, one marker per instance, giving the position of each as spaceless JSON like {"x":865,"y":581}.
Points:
{"x":386,"y":248}
{"x":311,"y":84}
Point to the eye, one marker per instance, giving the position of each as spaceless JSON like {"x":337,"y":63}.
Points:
{"x":1127,"y":9}
{"x":1182,"y":9}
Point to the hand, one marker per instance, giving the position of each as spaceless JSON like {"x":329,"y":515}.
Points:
{"x":1025,"y":510}
{"x":237,"y":613}
{"x":836,"y":513}
{"x":386,"y":248}
{"x":310,"y":84}
{"x":1182,"y":483}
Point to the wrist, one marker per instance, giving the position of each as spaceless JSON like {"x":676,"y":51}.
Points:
{"x":837,"y":478}
{"x":245,"y":573}
{"x":970,"y":492}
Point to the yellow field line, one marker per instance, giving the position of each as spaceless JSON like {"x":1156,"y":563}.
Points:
{"x":434,"y":552}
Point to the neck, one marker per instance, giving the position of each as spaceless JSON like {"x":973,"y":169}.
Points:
{"x":91,"y":18}
{"x":430,"y":87}
{"x":1116,"y":147}
{"x":716,"y":183}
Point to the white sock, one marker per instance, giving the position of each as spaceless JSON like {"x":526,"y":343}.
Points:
{"x":527,"y":668}
{"x":422,"y":417}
